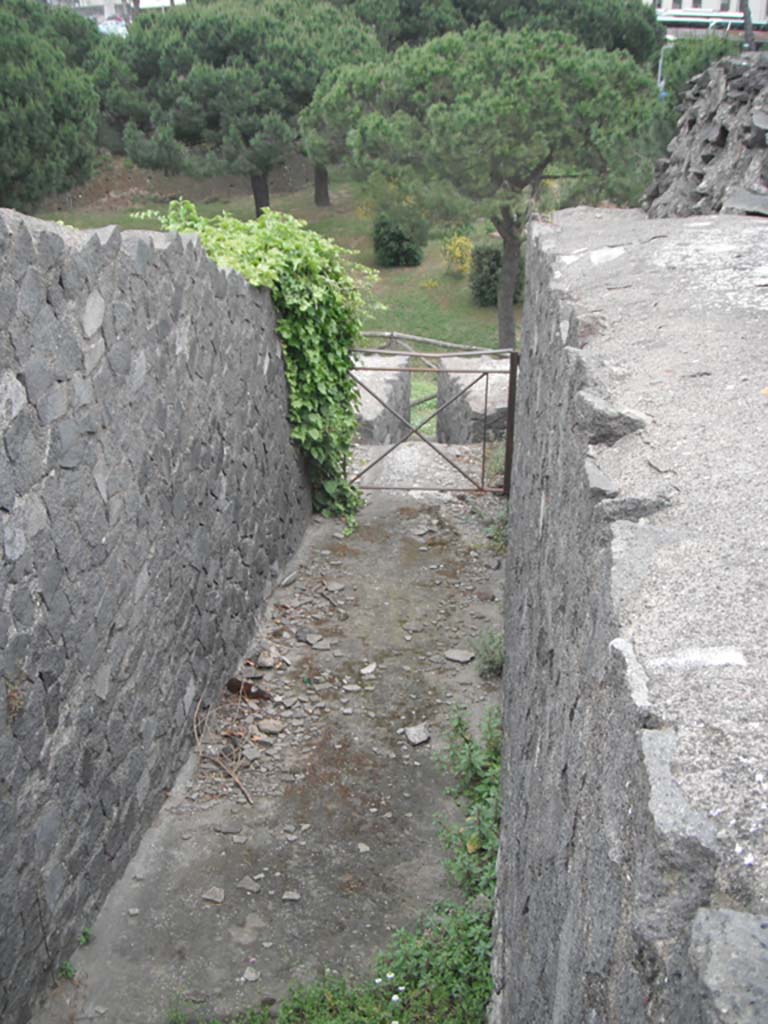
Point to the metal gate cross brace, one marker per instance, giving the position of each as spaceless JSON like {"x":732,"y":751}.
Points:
{"x":417,"y":429}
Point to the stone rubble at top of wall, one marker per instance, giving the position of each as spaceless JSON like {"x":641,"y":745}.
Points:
{"x":633,"y":862}
{"x":718,"y":161}
{"x":149,"y":495}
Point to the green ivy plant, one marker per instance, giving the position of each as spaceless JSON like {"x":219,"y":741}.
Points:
{"x":319,"y":295}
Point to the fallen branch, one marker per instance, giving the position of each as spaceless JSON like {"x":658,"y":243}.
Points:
{"x":204,"y":756}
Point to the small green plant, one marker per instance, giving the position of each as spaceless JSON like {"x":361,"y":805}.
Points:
{"x":395,"y":244}
{"x":86,"y":935}
{"x":317,"y":294}
{"x":472,"y":847}
{"x":497,"y":532}
{"x":435,"y":973}
{"x":489,"y":651}
{"x":67,"y":971}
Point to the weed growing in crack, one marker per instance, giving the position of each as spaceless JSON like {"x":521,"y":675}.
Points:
{"x":489,"y":651}
{"x":497,"y":455}
{"x":497,"y":532}
{"x":67,"y":971}
{"x":472,"y":847}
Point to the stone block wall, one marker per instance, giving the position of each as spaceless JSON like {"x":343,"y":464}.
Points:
{"x":387,"y":377}
{"x":478,"y":411}
{"x":633,"y":864}
{"x":149,"y":494}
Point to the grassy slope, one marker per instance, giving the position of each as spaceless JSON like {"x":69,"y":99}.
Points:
{"x":417,"y":300}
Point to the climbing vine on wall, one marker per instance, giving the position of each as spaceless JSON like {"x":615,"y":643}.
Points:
{"x":317,"y":294}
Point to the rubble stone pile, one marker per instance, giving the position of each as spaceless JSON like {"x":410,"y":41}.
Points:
{"x":718,"y":161}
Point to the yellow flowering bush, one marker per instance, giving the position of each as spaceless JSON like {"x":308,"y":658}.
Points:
{"x":457,"y":253}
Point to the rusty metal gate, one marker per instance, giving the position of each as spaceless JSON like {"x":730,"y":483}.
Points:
{"x":402,"y":344}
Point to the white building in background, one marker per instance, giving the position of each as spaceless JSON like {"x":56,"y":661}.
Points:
{"x":115,"y":11}
{"x":705,"y":11}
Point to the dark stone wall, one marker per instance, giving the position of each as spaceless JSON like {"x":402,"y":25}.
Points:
{"x":562,"y":879}
{"x":601,"y":865}
{"x":149,"y":494}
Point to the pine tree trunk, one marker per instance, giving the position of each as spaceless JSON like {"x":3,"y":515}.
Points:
{"x":509,"y":230}
{"x":260,"y":189}
{"x":322,"y":193}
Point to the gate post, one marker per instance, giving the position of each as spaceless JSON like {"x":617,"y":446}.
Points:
{"x":514,"y":359}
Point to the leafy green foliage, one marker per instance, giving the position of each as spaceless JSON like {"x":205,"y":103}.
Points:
{"x":607,"y":24}
{"x":473,"y":846}
{"x":437,"y":972}
{"x":599,"y":24}
{"x":394,"y":245}
{"x":47,"y":106}
{"x":407,"y":22}
{"x":319,"y":304}
{"x":77,"y":37}
{"x":120,"y":99}
{"x":221,"y":86}
{"x":484,"y":274}
{"x":469,"y":125}
{"x":67,"y":971}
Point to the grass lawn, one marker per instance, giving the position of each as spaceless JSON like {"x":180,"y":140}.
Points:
{"x":422,"y":300}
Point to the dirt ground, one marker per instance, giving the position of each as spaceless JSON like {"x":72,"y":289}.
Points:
{"x":332,"y":842}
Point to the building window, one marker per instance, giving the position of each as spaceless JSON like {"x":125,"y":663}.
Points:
{"x":696,"y":4}
{"x":677,"y":4}
{"x":725,"y":5}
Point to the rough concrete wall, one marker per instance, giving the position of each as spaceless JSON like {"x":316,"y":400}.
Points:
{"x":605,"y":867}
{"x":468,"y":418}
{"x":386,"y":377}
{"x":718,"y":161}
{"x":148,"y":496}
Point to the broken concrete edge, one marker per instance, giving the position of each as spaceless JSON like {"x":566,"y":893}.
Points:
{"x":727,"y":950}
{"x":673,"y":934}
{"x":729,"y":954}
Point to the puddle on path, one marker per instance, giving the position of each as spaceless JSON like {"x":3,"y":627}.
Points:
{"x":344,"y":810}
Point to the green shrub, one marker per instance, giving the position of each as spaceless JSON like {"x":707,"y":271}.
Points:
{"x":48,"y":106}
{"x":484,"y":275}
{"x":395,"y":244}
